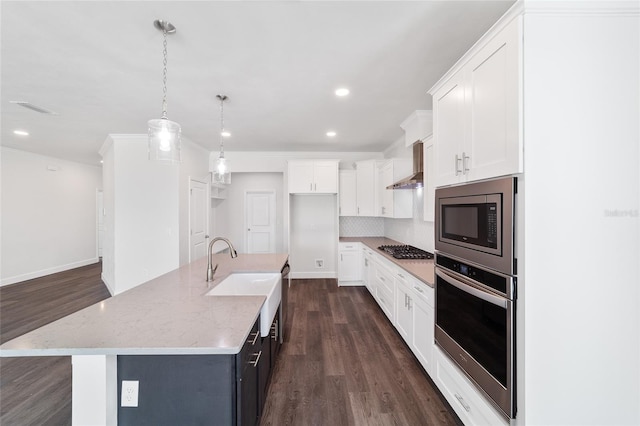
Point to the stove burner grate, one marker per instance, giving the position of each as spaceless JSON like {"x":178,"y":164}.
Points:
{"x":405,"y":252}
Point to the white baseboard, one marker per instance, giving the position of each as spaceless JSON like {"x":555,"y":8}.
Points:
{"x":107,"y":283}
{"x":350,"y":283}
{"x":307,"y":275}
{"x":48,"y":271}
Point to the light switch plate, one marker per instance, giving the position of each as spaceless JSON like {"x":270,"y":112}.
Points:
{"x":129,"y":396}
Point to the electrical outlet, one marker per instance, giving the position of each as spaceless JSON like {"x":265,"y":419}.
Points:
{"x":319,"y":263}
{"x":129,"y":397}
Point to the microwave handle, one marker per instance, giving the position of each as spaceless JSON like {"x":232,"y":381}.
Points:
{"x":495,"y":300}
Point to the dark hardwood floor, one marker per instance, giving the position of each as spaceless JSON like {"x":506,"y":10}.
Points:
{"x":343,"y":363}
{"x":37,"y":390}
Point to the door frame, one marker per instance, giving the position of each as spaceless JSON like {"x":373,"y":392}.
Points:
{"x":207,"y":185}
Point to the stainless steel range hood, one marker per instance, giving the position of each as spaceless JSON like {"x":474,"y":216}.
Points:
{"x":416,"y":180}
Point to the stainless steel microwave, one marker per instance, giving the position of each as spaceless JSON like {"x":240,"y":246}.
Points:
{"x":475,"y":221}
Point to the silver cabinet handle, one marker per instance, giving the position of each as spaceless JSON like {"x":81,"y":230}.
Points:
{"x":255,"y":362}
{"x":408,"y":303}
{"x":458,"y":159}
{"x":465,"y":169}
{"x":418,"y":288}
{"x":462,"y":402}
{"x":315,"y":186}
{"x":341,"y":260}
{"x":253,"y":342}
{"x":400,"y":275}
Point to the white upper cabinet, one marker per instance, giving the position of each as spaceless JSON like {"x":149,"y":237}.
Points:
{"x":359,"y":190}
{"x":395,"y":203}
{"x":476,"y":108}
{"x":417,"y":126}
{"x":366,"y":178}
{"x":348,"y":205}
{"x":313,"y":177}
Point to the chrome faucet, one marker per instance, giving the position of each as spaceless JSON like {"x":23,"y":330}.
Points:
{"x":232,"y":251}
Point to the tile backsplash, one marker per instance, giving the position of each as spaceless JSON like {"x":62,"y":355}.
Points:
{"x":358,"y":226}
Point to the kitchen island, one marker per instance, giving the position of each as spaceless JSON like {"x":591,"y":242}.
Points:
{"x":169,"y":315}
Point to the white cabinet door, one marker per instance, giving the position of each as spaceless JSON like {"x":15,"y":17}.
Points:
{"x":448,"y":129}
{"x":395,"y":203}
{"x":404,"y":314}
{"x":429,"y":191}
{"x":347,"y":197}
{"x":385,"y":289}
{"x":300,"y":177}
{"x":349,"y":264}
{"x":386,"y":197}
{"x":366,"y":189}
{"x":492,"y":95}
{"x":476,"y":112}
{"x":368,"y":271}
{"x":423,"y":323}
{"x":325,"y":177}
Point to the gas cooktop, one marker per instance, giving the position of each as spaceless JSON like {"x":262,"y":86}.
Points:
{"x":405,"y":252}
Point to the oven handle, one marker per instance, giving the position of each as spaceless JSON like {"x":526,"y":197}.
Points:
{"x":496,"y":300}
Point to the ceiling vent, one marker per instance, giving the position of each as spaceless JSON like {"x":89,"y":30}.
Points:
{"x":33,"y":107}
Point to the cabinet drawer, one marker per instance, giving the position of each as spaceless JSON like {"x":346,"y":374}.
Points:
{"x":466,"y":400}
{"x":423,"y":292}
{"x":385,"y":300}
{"x":384,"y":278}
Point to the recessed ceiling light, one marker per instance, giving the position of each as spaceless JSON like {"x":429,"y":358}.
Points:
{"x":343,"y":91}
{"x":225,"y":134}
{"x":331,"y":133}
{"x":21,"y":133}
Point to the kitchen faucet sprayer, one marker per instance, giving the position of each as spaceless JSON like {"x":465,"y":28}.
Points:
{"x":212,"y":269}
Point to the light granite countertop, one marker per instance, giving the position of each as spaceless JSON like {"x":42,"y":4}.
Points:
{"x":170,"y":314}
{"x":421,"y":269}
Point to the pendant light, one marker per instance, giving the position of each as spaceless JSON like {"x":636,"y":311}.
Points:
{"x":221,"y":173}
{"x":164,"y":135}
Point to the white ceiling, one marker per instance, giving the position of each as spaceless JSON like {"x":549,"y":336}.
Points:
{"x":98,"y":65}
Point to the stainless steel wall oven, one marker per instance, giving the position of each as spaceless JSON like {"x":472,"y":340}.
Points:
{"x":475,"y":285}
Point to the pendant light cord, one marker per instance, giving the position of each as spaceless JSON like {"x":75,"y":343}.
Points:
{"x":164,"y":76}
{"x":222,"y":98}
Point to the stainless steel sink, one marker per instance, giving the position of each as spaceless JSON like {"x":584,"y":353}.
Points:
{"x":254,"y":284}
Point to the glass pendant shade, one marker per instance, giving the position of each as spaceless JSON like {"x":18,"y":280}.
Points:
{"x":164,"y":141}
{"x":221,"y":173}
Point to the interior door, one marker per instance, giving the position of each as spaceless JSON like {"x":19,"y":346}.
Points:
{"x":261,"y":221}
{"x":197,"y":220}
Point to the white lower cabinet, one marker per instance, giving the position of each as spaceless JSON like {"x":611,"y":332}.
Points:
{"x":385,"y":288}
{"x":349,"y":264}
{"x":404,"y":311}
{"x":465,"y":400}
{"x":414,"y":317}
{"x":423,"y":324}
{"x":368,"y":273}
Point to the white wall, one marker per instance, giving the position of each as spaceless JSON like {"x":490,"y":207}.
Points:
{"x":142,"y":217}
{"x":48,"y":217}
{"x":236,"y":209}
{"x":314,"y":224}
{"x":579,"y":326}
{"x":194,"y":164}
